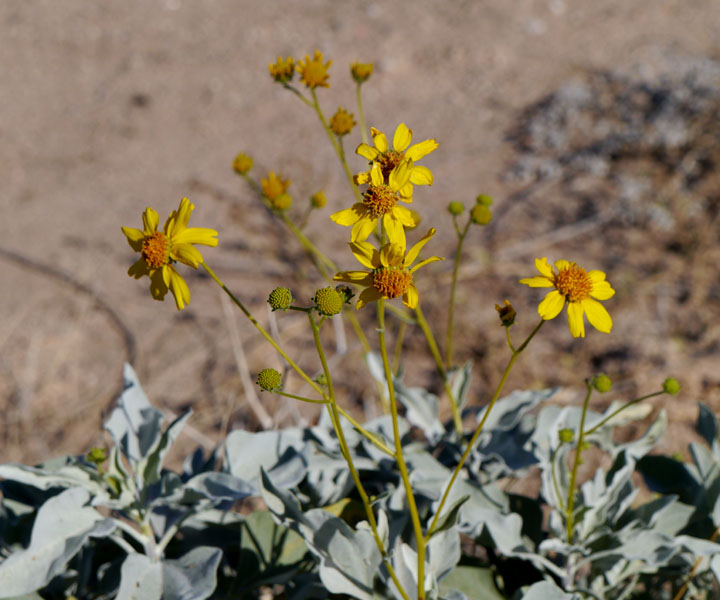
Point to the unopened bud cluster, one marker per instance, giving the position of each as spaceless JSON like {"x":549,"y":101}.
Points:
{"x":269,"y":380}
{"x":328,"y":301}
{"x":280,"y":299}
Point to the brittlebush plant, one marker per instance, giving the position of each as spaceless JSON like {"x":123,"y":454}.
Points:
{"x":380,"y":211}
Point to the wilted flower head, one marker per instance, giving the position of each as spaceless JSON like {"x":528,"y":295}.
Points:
{"x":282,"y":71}
{"x":273,"y":186}
{"x":361,"y":71}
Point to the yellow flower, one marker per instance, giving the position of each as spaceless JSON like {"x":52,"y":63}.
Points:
{"x":380,"y":201}
{"x":391,"y":274}
{"x":342,"y":122}
{"x":160,"y":249}
{"x":361,"y":71}
{"x":576,"y":287}
{"x":282,"y":71}
{"x":242,"y":163}
{"x":274,"y":186}
{"x":389,"y":159}
{"x":312,"y":72}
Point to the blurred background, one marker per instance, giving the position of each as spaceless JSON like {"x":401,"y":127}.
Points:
{"x":593,"y":125}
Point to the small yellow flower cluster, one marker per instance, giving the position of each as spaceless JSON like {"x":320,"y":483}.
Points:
{"x":342,"y":122}
{"x":282,"y":71}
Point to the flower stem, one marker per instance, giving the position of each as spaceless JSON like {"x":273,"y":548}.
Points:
{"x":361,"y":113}
{"x":619,"y":410}
{"x":335,"y":418}
{"x":264,"y":333}
{"x":432,"y":344}
{"x":412,"y":506}
{"x":451,"y":309}
{"x":479,"y":428}
{"x":301,"y":398}
{"x":570,"y":503}
{"x":371,"y":437}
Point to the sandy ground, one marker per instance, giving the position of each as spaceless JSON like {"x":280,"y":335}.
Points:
{"x":108,"y":107}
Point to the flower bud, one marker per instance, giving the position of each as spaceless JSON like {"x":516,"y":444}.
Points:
{"x":342,"y":122}
{"x":484,"y":199}
{"x":280,"y":299}
{"x":282,"y":202}
{"x":269,"y":380}
{"x":566,"y":435}
{"x":242,"y":163}
{"x":328,"y":301}
{"x":602,"y":383}
{"x":321,"y":379}
{"x":361,"y":71}
{"x":506,"y":313}
{"x":480,"y":214}
{"x":318,"y":199}
{"x":456,"y":208}
{"x":96,"y":456}
{"x":671,"y":386}
{"x":345,"y":292}
{"x":281,"y":70}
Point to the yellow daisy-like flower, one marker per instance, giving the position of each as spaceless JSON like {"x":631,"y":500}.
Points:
{"x":388,"y":158}
{"x":579,"y":288}
{"x":391,"y":271}
{"x":282,"y":71}
{"x":361,"y":71}
{"x":160,"y":249}
{"x":274,"y":186}
{"x":342,"y":122}
{"x":380,"y":201}
{"x":313,"y":73}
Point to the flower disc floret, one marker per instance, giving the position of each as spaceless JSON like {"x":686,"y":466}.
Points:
{"x":269,"y":380}
{"x":313,"y":73}
{"x":342,"y":122}
{"x":392,"y":282}
{"x":576,"y":287}
{"x":328,"y":301}
{"x":280,"y":299}
{"x":160,"y":250}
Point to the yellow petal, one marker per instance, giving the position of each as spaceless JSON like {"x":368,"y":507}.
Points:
{"x":362,"y":178}
{"x":367,"y":151}
{"x":410,"y":297}
{"x":541,"y":264}
{"x":405,"y":216}
{"x":358,"y":277}
{"x":395,"y":231}
{"x":417,"y":151}
{"x":551,"y":306}
{"x":376,"y":175}
{"x":349,"y":216}
{"x":139,"y":269}
{"x":363,"y":228}
{"x":400,"y":175}
{"x":561,"y":265}
{"x":380,"y":140}
{"x":597,"y":315}
{"x":402,"y":137}
{"x":135,"y":237}
{"x":537,"y":282}
{"x":178,"y":219}
{"x":196,"y":235}
{"x":150,"y":220}
{"x":187,"y":254}
{"x":602,"y":290}
{"x":179,"y":289}
{"x":158,"y":287}
{"x":391,"y":255}
{"x":406,"y":192}
{"x":415,"y":250}
{"x":420,"y":175}
{"x":596,"y":276}
{"x":575,"y":319}
{"x":425,"y":261}
{"x":368,"y":295}
{"x":366,"y":254}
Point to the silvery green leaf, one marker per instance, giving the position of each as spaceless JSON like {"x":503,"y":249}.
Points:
{"x":546,"y":590}
{"x":220,"y":486}
{"x":421,"y":410}
{"x":69,"y":474}
{"x":459,"y":378}
{"x":192,"y":576}
{"x":61,"y":527}
{"x":140,"y":579}
{"x":405,"y":565}
{"x":472,"y":582}
{"x":636,"y":449}
{"x":508,"y":411}
{"x":664,"y":514}
{"x":450,"y":515}
{"x":150,"y":465}
{"x":707,"y":425}
{"x":376,"y":367}
{"x":443,"y":553}
{"x":705,"y":463}
{"x":603,"y":502}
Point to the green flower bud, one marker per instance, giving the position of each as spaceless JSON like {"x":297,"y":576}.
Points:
{"x":321,"y":379}
{"x":456,"y":208}
{"x":280,"y":299}
{"x":484,"y":199}
{"x":242,"y":163}
{"x":602,"y":383}
{"x":318,"y":200}
{"x":328,"y":301}
{"x":671,"y":386}
{"x":345,"y":292}
{"x":269,"y":380}
{"x":282,"y":202}
{"x":480,"y":214}
{"x":97,"y":456}
{"x":506,"y":313}
{"x":566,"y":435}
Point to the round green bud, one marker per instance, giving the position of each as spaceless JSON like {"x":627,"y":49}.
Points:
{"x":281,"y":202}
{"x":242,"y":163}
{"x":480,"y":214}
{"x":345,"y":292}
{"x":280,"y":299}
{"x":97,"y":456}
{"x":269,"y":380}
{"x":484,"y":199}
{"x":321,"y":379}
{"x":456,"y":208}
{"x":566,"y":435}
{"x":671,"y":386}
{"x":328,"y":301}
{"x":318,"y":200}
{"x":602,"y":383}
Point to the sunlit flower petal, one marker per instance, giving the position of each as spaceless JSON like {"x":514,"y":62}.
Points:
{"x":402,"y":137}
{"x":575,"y":319}
{"x":421,"y":175}
{"x":366,"y":254}
{"x":411,"y":298}
{"x":417,"y":151}
{"x":349,"y":216}
{"x":551,"y":306}
{"x":597,"y":315}
{"x":363,"y":228}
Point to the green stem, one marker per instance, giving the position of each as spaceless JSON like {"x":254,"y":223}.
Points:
{"x":457,"y":420}
{"x":301,"y":398}
{"x":371,"y":437}
{"x":570,"y":503}
{"x":451,"y":308}
{"x":361,"y":113}
{"x":335,"y":418}
{"x":553,"y":472}
{"x":264,"y":333}
{"x":479,"y":428}
{"x":619,"y":410}
{"x":412,"y":506}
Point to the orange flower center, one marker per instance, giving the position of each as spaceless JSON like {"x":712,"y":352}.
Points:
{"x":156,"y":250}
{"x":391,"y":282}
{"x":315,"y":74}
{"x":379,"y":200}
{"x":574,"y":283}
{"x":389,"y":160}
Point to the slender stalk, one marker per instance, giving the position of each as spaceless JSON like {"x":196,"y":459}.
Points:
{"x":570,"y":503}
{"x":264,"y":333}
{"x":301,"y":398}
{"x":451,"y":309}
{"x":371,"y":437}
{"x":553,"y":473}
{"x":619,"y":410}
{"x":361,"y":113}
{"x":412,"y":506}
{"x":479,"y":428}
{"x":432,"y":344}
